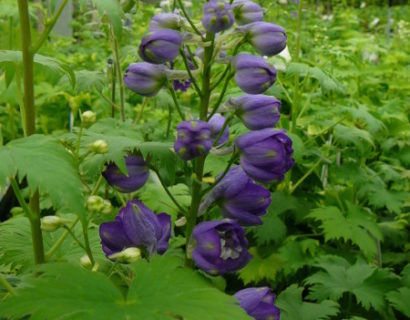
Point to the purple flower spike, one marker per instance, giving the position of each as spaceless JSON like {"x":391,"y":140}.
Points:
{"x":217,"y":122}
{"x":256,"y":111}
{"x":253,"y":74}
{"x":145,"y":78}
{"x":160,"y":46}
{"x":266,"y":38}
{"x":221,"y":247}
{"x":266,"y":154}
{"x":165,"y":21}
{"x":218,"y":16}
{"x":193,"y":140}
{"x":246,"y":12}
{"x":259,"y":303}
{"x":239,"y":198}
{"x":136,"y":226}
{"x":137,"y":174}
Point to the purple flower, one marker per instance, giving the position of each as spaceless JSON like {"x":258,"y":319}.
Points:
{"x":145,"y":78}
{"x":246,"y":11}
{"x":256,"y":111}
{"x":266,"y":154}
{"x":221,"y":247}
{"x":217,"y":122}
{"x":165,"y":21}
{"x":239,"y":198}
{"x":183,"y":85}
{"x":160,"y":46}
{"x":253,"y":74}
{"x":137,"y":174}
{"x":259,"y":303}
{"x":218,"y":16}
{"x":193,"y":140}
{"x":266,"y":38}
{"x":136,"y":226}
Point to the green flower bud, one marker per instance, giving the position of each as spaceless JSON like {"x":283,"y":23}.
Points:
{"x":52,"y":223}
{"x":99,"y":146}
{"x":88,"y":118}
{"x":128,"y":255}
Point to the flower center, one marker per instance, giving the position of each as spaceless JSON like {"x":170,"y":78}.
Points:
{"x":229,"y":248}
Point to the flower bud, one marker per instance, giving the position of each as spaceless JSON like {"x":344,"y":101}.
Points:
{"x":135,"y":226}
{"x":246,"y":12}
{"x":259,"y":303}
{"x":266,"y":38}
{"x":253,"y":74}
{"x":85,"y":261}
{"x":95,"y":203}
{"x":221,"y":247}
{"x":99,"y":146}
{"x":52,"y":223}
{"x":216,"y":123}
{"x":88,"y":118}
{"x":107,"y":209}
{"x":137,"y":174}
{"x":218,"y":16}
{"x":128,"y":255}
{"x":160,"y":46}
{"x":256,"y":111}
{"x":145,"y":78}
{"x":266,"y":154}
{"x":193,"y":140}
{"x":165,"y":21}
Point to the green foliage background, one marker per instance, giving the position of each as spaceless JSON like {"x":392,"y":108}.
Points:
{"x":335,"y":245}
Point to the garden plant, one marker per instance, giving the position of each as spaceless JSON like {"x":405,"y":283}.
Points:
{"x":204,"y":159}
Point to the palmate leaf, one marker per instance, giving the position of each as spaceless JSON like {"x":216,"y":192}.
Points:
{"x":356,"y":226}
{"x":48,"y":167}
{"x":400,"y":300}
{"x":261,"y":268}
{"x":12,"y":57}
{"x":161,"y":289}
{"x":292,"y":307}
{"x":350,"y":135}
{"x":273,"y":228}
{"x":368,"y":283}
{"x":122,"y":137}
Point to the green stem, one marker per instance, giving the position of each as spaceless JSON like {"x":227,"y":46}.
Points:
{"x":20,"y":97}
{"x":181,"y":5}
{"x":190,"y":73}
{"x":87,"y":244}
{"x":60,"y":241}
{"x":220,"y":133}
{"x":20,"y":197}
{"x":71,"y":233}
{"x":49,"y":26}
{"x":113,"y":82}
{"x":29,"y":119}
{"x":167,"y":190}
{"x":295,"y":106}
{"x":7,"y":285}
{"x":77,"y":147}
{"x":199,"y":162}
{"x":119,"y":76}
{"x":307,"y":174}
{"x":221,"y":96}
{"x":175,"y":99}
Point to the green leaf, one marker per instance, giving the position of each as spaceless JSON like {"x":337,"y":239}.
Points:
{"x":261,"y":268}
{"x":327,"y":82}
{"x":54,"y":65}
{"x":155,"y":197}
{"x":400,"y":300}
{"x":113,"y":10}
{"x":353,"y":136}
{"x":160,"y":290}
{"x":16,"y":249}
{"x":292,"y":307}
{"x":88,"y":80}
{"x":356,"y":226}
{"x":48,"y":167}
{"x":366,"y":282}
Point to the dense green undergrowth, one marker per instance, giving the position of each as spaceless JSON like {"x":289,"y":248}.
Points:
{"x":335,"y":241}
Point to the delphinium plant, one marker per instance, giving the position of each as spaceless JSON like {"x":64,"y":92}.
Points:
{"x":215,"y":243}
{"x":213,"y":224}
